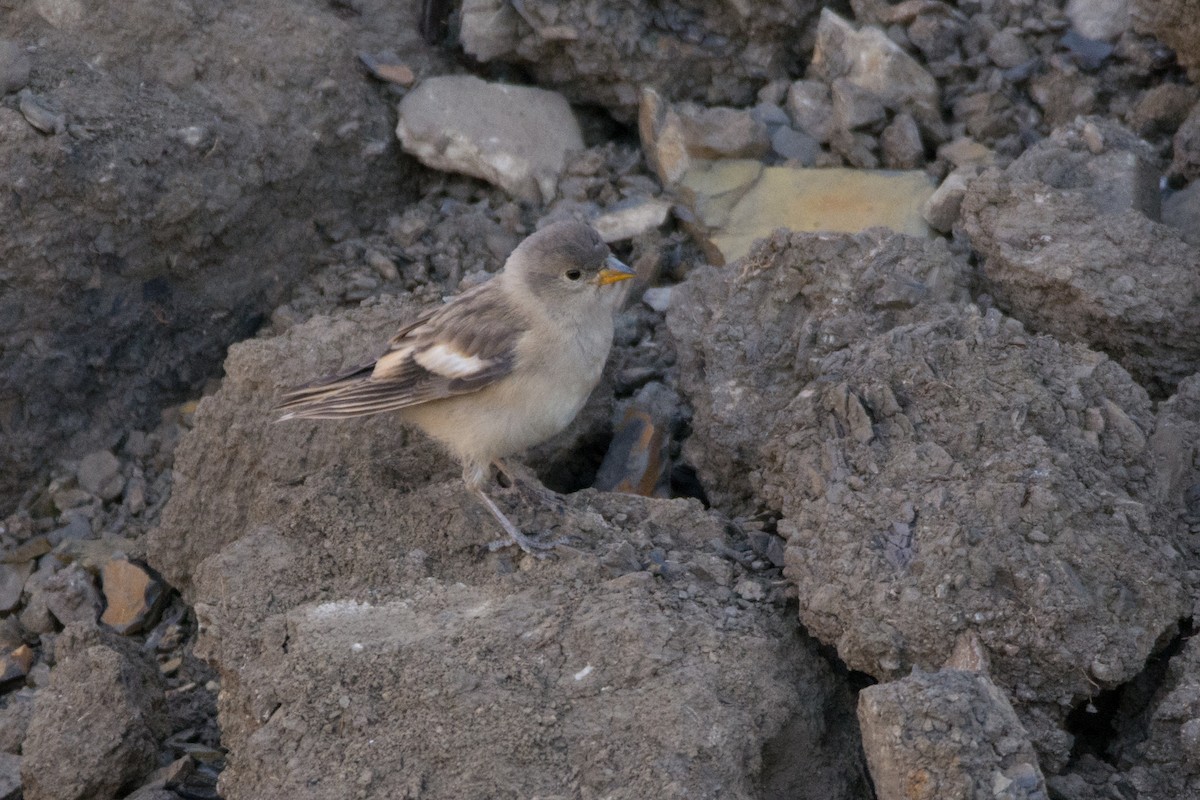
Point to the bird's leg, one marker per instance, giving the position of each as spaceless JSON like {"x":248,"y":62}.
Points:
{"x":531,"y":487}
{"x":473,"y":477}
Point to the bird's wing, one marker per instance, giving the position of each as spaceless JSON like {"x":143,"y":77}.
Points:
{"x":459,"y":348}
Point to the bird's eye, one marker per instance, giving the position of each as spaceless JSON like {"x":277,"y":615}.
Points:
{"x":574,"y":274}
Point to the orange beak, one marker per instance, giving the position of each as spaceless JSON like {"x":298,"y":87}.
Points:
{"x":614,"y":271}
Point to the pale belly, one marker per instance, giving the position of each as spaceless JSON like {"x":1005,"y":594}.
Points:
{"x":512,"y":415}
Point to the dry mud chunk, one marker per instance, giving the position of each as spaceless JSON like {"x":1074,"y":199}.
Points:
{"x":964,"y":476}
{"x":749,"y":335}
{"x":1068,"y":249}
{"x":946,"y":734}
{"x":604,"y":53}
{"x":365,"y":644}
{"x":95,"y":728}
{"x":1160,"y":752}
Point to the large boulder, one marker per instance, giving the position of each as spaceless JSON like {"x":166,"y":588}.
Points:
{"x":749,"y":336}
{"x":1070,"y":246}
{"x":964,"y":477}
{"x":604,"y":53}
{"x":367,"y":645}
{"x":167,"y":169}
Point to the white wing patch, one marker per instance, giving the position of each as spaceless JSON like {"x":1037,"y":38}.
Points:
{"x":445,"y":360}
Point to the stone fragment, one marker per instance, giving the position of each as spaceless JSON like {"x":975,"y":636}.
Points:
{"x":1182,"y":212}
{"x":100,"y":474}
{"x":39,"y":113}
{"x":1186,"y":147}
{"x":516,"y":137}
{"x":96,"y":726}
{"x":1162,"y":109}
{"x":637,"y":460}
{"x":15,"y":663}
{"x":132,"y":595}
{"x":388,"y":69}
{"x":1099,"y":19}
{"x":873,"y":62}
{"x":966,"y":152}
{"x":1063,"y":96}
{"x":673,"y":135}
{"x":10,"y":776}
{"x":1007,"y":49}
{"x":855,"y":107}
{"x":1176,"y":24}
{"x":942,"y":208}
{"x":632,"y":218}
{"x":811,"y":108}
{"x":794,"y":145}
{"x":14,"y":67}
{"x":12,"y":580}
{"x":946,"y":734}
{"x":739,"y":202}
{"x":901,"y":144}
{"x":14,"y":719}
{"x":78,"y":529}
{"x":71,"y":596}
{"x":488,"y":28}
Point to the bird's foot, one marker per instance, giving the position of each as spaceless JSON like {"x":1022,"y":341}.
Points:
{"x":534,"y":547}
{"x":529,"y":487}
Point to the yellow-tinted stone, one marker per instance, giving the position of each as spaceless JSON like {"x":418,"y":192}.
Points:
{"x":132,"y":594}
{"x":740,"y":201}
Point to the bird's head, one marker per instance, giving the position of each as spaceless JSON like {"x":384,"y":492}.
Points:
{"x":564,"y":260}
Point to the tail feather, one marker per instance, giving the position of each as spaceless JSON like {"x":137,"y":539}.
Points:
{"x":326,"y":398}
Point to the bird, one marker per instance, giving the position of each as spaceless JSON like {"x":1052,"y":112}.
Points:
{"x":497,"y":369}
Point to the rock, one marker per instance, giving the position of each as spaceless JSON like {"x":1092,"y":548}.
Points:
{"x":71,"y":596}
{"x":1062,"y":264}
{"x":674,"y":135}
{"x":14,"y":719}
{"x":976,"y":510}
{"x":14,"y":67}
{"x":811,"y":108}
{"x":1186,"y":161}
{"x":36,"y":616}
{"x":41,"y":114}
{"x":1164,"y":755}
{"x":12,"y":579}
{"x":150,"y":286}
{"x":794,"y":145}
{"x":942,"y":208}
{"x":96,"y":726}
{"x":1162,"y":109}
{"x":637,"y":460}
{"x":78,"y":529}
{"x":132,"y":596}
{"x":868,"y":59}
{"x":1007,"y":49}
{"x":15,"y":663}
{"x":1174,"y":23}
{"x":388,"y":69}
{"x":1175,"y":447}
{"x":966,"y":152}
{"x":855,"y":107}
{"x":494,"y":653}
{"x":1088,"y":54}
{"x":632,"y":218}
{"x":1099,"y":19}
{"x":100,"y":474}
{"x":901,"y":144}
{"x":516,"y":137}
{"x":1063,"y":96}
{"x":10,"y":776}
{"x":946,"y":734}
{"x":737,"y":202}
{"x":714,"y":54}
{"x":1182,"y":211}
{"x":817,"y":293}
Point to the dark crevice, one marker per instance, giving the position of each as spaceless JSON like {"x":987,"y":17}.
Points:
{"x":1115,"y":718}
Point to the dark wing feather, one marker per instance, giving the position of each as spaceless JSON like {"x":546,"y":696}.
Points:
{"x":458,"y":348}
